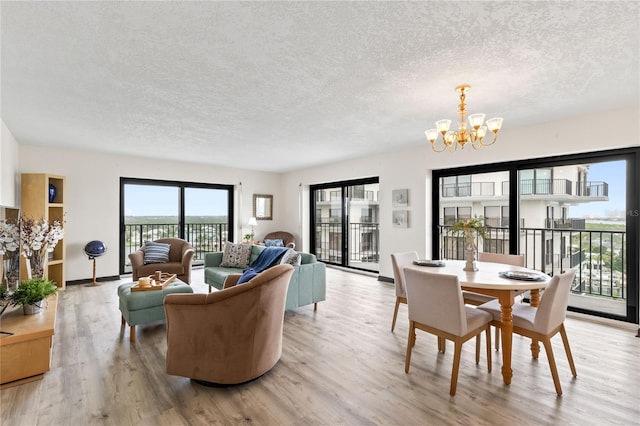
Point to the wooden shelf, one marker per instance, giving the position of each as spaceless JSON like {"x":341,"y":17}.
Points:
{"x":35,"y":204}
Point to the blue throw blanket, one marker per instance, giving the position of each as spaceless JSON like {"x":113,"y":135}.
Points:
{"x":266,"y":259}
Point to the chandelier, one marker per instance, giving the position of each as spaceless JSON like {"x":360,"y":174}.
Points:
{"x":475,"y":135}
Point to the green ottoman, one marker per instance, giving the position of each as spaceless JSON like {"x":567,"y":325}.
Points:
{"x":139,"y":307}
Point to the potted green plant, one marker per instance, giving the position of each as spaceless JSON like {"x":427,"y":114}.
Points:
{"x":248,"y":238}
{"x":471,"y":228}
{"x":30,"y":294}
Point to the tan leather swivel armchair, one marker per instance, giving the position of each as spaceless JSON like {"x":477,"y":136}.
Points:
{"x":229,"y":336}
{"x":180,"y":257}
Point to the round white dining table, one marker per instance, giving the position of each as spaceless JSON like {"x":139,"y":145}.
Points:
{"x":487,"y":280}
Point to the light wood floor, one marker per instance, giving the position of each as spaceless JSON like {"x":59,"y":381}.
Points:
{"x":339,"y":366}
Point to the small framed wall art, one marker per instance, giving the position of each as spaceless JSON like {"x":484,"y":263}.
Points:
{"x":263,"y":206}
{"x":400,"y":218}
{"x":400,"y":197}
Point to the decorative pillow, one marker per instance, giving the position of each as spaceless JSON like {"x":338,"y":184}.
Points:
{"x":291,"y":257}
{"x":274,"y":243}
{"x":235,"y":255}
{"x":156,"y":252}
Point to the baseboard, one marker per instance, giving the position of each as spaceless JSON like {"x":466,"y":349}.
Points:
{"x":90,"y":280}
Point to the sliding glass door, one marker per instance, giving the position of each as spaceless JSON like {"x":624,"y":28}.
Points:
{"x":573,"y":212}
{"x":152,"y":209}
{"x":345,"y":223}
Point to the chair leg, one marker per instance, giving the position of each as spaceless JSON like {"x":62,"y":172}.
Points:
{"x":535,"y":349}
{"x":488,"y":335}
{"x":209,"y":289}
{"x":410,"y":342}
{"x":395,"y":314}
{"x":567,"y":349}
{"x":478,"y":348}
{"x":552,"y":365}
{"x":442,"y":345}
{"x":315,"y":307}
{"x":123,"y":321}
{"x":456,"y":367}
{"x":497,"y":338}
{"x":132,"y":333}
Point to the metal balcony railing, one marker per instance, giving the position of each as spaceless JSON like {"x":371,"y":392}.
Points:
{"x":527,"y":187}
{"x":599,"y":256}
{"x":204,"y":237}
{"x":364,"y":242}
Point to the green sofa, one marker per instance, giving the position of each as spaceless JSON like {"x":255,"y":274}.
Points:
{"x":308,"y":283}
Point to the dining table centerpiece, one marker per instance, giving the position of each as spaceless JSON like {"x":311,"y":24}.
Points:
{"x":38,"y":237}
{"x":471,"y":228}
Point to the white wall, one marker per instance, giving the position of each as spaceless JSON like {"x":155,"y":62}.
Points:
{"x":412,"y":169}
{"x":93,"y":182}
{"x":8,"y":167}
{"x":92,"y":196}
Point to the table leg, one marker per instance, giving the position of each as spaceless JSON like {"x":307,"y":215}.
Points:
{"x":506,"y":330}
{"x":535,"y":301}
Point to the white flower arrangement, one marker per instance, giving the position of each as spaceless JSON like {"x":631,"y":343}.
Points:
{"x":39,"y":236}
{"x":9,"y":237}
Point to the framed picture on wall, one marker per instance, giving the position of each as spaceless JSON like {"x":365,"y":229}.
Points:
{"x":400,"y":218}
{"x":400,"y":197}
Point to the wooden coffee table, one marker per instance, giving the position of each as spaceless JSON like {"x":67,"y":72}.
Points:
{"x":25,"y":355}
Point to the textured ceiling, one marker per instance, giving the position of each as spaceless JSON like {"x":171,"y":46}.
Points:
{"x":278,"y":86}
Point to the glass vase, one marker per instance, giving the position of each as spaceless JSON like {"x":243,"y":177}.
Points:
{"x":11,"y":263}
{"x":36,"y":265}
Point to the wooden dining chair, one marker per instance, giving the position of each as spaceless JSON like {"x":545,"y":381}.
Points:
{"x":436,"y":306}
{"x":399,"y":261}
{"x":477,"y":299}
{"x":543,"y":322}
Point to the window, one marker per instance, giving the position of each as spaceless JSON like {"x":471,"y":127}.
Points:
{"x":492,"y":216}
{"x":351,"y":238}
{"x":153,"y":209}
{"x":575,"y":211}
{"x":456,"y":186}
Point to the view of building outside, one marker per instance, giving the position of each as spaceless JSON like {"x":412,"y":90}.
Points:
{"x":570,"y":217}
{"x":360,"y":218}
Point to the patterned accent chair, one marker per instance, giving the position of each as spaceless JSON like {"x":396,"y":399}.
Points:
{"x":180,"y":257}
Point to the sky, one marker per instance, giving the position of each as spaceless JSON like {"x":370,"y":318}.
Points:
{"x":149,"y":200}
{"x":614,"y":174}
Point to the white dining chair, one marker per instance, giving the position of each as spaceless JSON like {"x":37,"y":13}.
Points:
{"x":436,"y":306}
{"x":399,"y":261}
{"x":543,"y":322}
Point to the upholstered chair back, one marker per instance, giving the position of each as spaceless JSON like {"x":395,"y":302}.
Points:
{"x":229,"y":336}
{"x":436,"y":300}
{"x":508,"y":259}
{"x":399,"y":261}
{"x":553,"y":306}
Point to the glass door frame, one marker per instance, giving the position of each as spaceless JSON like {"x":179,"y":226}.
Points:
{"x":343,"y":186}
{"x":631,"y":155}
{"x":181,"y":186}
